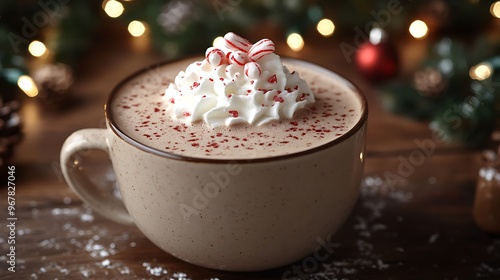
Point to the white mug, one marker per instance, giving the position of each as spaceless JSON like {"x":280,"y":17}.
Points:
{"x":240,"y":215}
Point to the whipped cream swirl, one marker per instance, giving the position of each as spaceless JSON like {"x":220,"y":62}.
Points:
{"x":237,"y":83}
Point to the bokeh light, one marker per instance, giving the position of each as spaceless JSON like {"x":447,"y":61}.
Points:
{"x":295,"y":42}
{"x":481,"y":71}
{"x":137,"y":28}
{"x":217,"y":41}
{"x":37,"y":48}
{"x":376,"y":35}
{"x":418,"y":29}
{"x":495,"y":9}
{"x":325,"y":27}
{"x":113,"y":8}
{"x":27,"y":85}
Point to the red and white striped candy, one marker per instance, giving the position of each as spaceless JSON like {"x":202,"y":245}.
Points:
{"x":260,"y":49}
{"x":215,"y":56}
{"x":252,"y":70}
{"x":236,"y":43}
{"x":238,"y":57}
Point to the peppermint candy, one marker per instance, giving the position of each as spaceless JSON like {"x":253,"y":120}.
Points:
{"x":238,"y":57}
{"x":241,"y":52}
{"x":215,"y":56}
{"x":260,"y":49}
{"x":252,"y":70}
{"x":236,"y":43}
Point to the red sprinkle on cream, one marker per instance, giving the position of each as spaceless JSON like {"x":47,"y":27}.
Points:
{"x":278,"y":99}
{"x":273,"y":79}
{"x":234,"y":113}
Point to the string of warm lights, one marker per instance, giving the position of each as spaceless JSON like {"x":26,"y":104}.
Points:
{"x":326,"y":27}
{"x":114,"y":9}
{"x":25,"y":82}
{"x":418,"y":29}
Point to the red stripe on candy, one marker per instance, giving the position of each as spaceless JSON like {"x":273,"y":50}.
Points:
{"x":236,"y":42}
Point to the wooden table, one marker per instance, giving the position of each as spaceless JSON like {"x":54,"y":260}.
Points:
{"x":417,"y":228}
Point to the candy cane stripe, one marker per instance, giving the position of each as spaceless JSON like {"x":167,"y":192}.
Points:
{"x":235,"y":42}
{"x":259,"y":54}
{"x":239,"y":58}
{"x":260,"y":49}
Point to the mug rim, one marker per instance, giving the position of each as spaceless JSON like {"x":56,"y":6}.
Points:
{"x":131,"y":141}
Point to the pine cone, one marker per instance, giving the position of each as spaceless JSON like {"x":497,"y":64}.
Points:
{"x":10,"y":127}
{"x":53,"y":82}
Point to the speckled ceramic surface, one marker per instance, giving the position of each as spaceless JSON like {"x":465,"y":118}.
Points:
{"x":241,"y":215}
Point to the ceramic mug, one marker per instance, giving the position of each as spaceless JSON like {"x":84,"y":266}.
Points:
{"x":236,"y":215}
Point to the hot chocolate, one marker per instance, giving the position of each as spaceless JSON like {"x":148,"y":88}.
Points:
{"x":140,"y":112}
{"x":246,"y":172}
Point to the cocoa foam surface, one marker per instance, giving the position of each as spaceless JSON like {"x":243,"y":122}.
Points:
{"x":139,"y":111}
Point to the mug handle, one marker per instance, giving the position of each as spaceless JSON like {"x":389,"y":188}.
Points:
{"x":77,"y":143}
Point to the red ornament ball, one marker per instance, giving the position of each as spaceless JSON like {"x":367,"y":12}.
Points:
{"x":377,"y":62}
